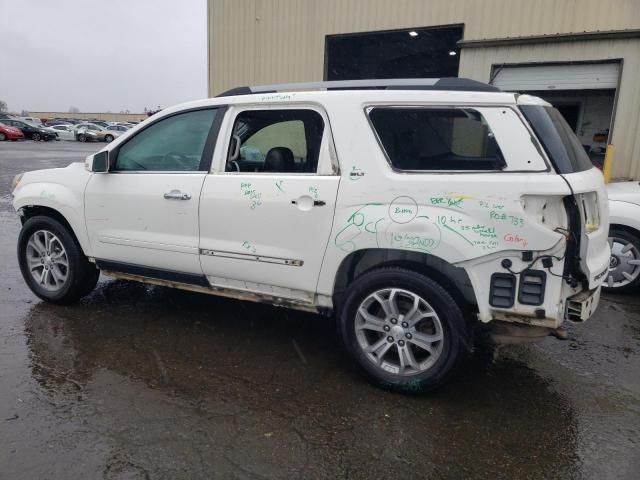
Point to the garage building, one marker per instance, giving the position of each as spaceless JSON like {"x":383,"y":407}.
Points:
{"x":583,"y":56}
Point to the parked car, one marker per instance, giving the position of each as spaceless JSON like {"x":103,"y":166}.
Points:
{"x":8,"y":132}
{"x":30,"y":131}
{"x":64,"y":132}
{"x":85,"y":132}
{"x":415,"y":211}
{"x":624,"y":237}
{"x":100,"y":123}
{"x":51,"y":123}
{"x":31,"y":120}
{"x":119,"y":129}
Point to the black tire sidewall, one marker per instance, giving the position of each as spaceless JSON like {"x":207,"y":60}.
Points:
{"x":74,"y":256}
{"x":3,"y":137}
{"x":631,"y":238}
{"x":108,"y":138}
{"x":450,"y":315}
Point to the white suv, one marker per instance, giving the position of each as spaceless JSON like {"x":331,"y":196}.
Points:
{"x":413,"y":210}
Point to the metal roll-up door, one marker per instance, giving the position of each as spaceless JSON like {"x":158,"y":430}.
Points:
{"x":584,"y":76}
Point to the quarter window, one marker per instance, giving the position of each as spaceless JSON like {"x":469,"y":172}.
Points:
{"x":276,"y":141}
{"x":445,"y":139}
{"x":173,"y":144}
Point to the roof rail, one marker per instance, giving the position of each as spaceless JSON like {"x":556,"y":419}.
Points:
{"x":449,"y":83}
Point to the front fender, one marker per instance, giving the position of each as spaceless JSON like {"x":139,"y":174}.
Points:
{"x":60,"y":198}
{"x":624,"y":213}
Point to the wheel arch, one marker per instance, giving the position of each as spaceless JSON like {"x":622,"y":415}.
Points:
{"x":626,"y":228}
{"x":453,"y":279}
{"x":30,"y":211}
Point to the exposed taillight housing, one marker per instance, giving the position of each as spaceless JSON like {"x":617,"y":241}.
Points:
{"x":590,"y":210}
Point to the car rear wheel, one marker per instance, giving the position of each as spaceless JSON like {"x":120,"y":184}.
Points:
{"x":108,"y":138}
{"x":3,"y":137}
{"x":36,"y":137}
{"x":624,"y":265}
{"x":82,"y":138}
{"x":52,"y":263}
{"x":404,"y":330}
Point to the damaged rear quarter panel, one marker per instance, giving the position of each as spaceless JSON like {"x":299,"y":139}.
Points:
{"x":468,"y":219}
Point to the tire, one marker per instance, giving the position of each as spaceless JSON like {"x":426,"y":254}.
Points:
{"x":624,"y":266}
{"x":3,"y":137}
{"x":441,"y":318}
{"x":36,"y":137}
{"x":108,"y":138}
{"x":61,"y":285}
{"x":82,"y":138}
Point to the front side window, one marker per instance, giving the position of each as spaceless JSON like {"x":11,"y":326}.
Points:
{"x":175,"y":143}
{"x":444,"y":139}
{"x":276,"y":141}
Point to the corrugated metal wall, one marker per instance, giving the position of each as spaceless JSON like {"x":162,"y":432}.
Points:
{"x":271,"y":41}
{"x":477,"y":62}
{"x":264,"y":41}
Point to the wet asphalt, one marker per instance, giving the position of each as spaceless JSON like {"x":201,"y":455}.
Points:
{"x":138,"y":382}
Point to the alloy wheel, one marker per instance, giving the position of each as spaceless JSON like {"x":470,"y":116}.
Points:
{"x":399,"y":331}
{"x":47,"y":260}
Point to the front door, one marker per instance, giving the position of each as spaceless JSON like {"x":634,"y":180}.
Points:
{"x":265,"y":221}
{"x":144,"y":211}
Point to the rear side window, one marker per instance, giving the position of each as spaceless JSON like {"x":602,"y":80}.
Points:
{"x":446,"y":139}
{"x":562,"y":146}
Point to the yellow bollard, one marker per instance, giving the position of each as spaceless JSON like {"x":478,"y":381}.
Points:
{"x":608,"y":162}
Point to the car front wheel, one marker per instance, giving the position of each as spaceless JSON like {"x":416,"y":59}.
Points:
{"x":624,"y":264}
{"x":404,"y":330}
{"x":36,"y":137}
{"x":52,"y":263}
{"x":108,"y":138}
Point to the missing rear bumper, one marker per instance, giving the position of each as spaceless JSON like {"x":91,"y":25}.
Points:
{"x":581,"y":306}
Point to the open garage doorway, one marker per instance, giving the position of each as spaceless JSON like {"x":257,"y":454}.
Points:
{"x":411,"y":53}
{"x":584,"y":92}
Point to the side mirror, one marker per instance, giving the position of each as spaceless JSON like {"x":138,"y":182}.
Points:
{"x":100,"y":162}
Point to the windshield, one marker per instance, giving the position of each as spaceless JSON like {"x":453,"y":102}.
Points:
{"x":562,"y":146}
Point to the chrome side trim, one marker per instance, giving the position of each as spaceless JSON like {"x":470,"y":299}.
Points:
{"x":252,"y":257}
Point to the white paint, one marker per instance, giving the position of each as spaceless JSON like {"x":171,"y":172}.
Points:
{"x":472,"y":220}
{"x":558,"y":77}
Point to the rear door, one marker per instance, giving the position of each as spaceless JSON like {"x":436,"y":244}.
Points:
{"x":265,"y":221}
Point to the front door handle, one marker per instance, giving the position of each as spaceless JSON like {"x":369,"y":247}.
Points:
{"x":177,"y":195}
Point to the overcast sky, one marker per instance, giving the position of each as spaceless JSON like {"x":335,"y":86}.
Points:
{"x":101,"y":55}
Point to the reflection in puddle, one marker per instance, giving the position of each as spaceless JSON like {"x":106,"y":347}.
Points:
{"x":178,"y":382}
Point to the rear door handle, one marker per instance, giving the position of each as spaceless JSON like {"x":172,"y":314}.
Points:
{"x":177,"y":195}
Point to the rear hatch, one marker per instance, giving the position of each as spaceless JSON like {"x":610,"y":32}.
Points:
{"x":587,"y":207}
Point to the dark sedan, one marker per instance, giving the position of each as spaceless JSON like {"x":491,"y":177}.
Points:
{"x":31,"y":131}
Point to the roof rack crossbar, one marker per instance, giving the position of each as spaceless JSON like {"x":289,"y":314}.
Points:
{"x":453,"y":83}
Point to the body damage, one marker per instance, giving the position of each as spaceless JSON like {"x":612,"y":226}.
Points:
{"x":470,"y":220}
{"x":61,"y":189}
